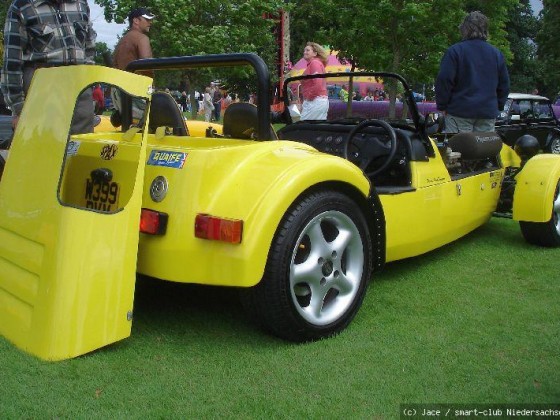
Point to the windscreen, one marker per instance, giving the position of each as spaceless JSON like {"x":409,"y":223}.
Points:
{"x":353,"y":96}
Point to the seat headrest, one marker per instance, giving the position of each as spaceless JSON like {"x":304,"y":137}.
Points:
{"x":241,"y":121}
{"x":165,"y":112}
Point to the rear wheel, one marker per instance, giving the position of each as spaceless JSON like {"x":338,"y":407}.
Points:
{"x":317,"y":270}
{"x":545,"y":233}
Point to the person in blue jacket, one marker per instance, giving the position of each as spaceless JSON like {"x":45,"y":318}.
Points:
{"x":473,"y":82}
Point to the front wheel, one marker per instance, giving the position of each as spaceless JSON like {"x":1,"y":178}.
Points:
{"x":2,"y":164}
{"x":555,"y":145}
{"x":545,"y":233}
{"x":317,"y":270}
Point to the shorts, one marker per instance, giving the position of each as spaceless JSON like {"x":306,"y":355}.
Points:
{"x":316,"y":109}
{"x":460,"y":124}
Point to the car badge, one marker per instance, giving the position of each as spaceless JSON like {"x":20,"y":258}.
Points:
{"x":109,"y":151}
{"x":158,"y":189}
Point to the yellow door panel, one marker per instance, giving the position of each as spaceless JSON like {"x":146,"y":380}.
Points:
{"x":429,"y":217}
{"x":67,"y":272}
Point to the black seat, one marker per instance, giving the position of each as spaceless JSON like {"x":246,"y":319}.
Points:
{"x":165,"y":112}
{"x":476,"y":145}
{"x":241,"y":121}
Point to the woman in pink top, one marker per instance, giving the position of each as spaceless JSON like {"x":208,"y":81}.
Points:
{"x":315,"y":100}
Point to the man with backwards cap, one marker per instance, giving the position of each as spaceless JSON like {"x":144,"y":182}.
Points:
{"x":135,"y":45}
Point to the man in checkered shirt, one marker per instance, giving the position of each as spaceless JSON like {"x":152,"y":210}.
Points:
{"x":47,"y":33}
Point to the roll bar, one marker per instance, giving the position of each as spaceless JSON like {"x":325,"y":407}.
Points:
{"x":215,"y":60}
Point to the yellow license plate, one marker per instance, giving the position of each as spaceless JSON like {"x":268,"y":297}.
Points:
{"x":102,"y":195}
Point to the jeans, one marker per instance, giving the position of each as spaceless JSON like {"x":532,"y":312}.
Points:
{"x":217,"y":110}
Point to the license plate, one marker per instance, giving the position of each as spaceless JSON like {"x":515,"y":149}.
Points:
{"x":102,"y":195}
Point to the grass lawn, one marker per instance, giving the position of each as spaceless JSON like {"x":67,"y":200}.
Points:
{"x":474,"y":322}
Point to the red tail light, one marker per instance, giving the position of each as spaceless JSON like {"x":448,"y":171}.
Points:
{"x":217,"y":229}
{"x":153,"y":222}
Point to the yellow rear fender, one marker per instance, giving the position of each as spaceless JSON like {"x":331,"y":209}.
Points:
{"x":276,"y":198}
{"x":255,"y":182}
{"x":535,"y":188}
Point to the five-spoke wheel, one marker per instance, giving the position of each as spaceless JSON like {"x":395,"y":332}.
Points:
{"x":317,"y":270}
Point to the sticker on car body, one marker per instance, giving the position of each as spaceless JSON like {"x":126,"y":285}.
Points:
{"x":72,"y":148}
{"x":168,"y":159}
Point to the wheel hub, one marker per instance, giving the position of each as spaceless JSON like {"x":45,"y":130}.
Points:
{"x":327,"y":268}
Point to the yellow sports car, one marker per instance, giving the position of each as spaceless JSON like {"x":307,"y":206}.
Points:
{"x":298,"y":219}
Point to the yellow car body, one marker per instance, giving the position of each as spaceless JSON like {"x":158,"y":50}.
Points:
{"x":70,"y":208}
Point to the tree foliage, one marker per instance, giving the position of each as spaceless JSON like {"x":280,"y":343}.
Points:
{"x":101,"y":52}
{"x":525,"y":71}
{"x":310,"y":20}
{"x":192,"y":27}
{"x":548,"y":50}
{"x":404,"y":36}
{"x":3,"y":12}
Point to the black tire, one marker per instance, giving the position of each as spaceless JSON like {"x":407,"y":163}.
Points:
{"x":545,"y":233}
{"x":554,"y":146}
{"x":2,"y":164}
{"x":324,"y":234}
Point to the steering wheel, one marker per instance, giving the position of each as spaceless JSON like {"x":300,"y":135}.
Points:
{"x":368,"y":149}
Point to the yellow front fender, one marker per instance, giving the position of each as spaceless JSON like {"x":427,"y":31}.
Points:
{"x":535,"y":187}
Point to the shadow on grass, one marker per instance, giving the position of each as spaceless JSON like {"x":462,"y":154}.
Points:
{"x":166,"y":310}
{"x":182,"y":311}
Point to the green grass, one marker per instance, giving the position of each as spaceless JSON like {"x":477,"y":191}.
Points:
{"x":474,"y":322}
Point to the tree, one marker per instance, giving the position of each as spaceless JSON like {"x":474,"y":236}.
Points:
{"x":302,"y":13}
{"x":524,"y":70}
{"x":548,"y":52}
{"x":408,"y":37}
{"x":402,"y":36}
{"x":192,"y":27}
{"x":3,"y":12}
{"x":102,"y":53}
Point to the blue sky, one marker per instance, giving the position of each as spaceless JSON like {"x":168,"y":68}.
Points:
{"x":536,"y":5}
{"x":106,"y":32}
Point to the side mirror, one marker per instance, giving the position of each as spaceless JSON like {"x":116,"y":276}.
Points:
{"x":431,"y":119}
{"x":434,"y":122}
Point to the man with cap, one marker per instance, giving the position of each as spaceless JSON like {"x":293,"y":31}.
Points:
{"x":43,"y":33}
{"x":135,"y":44}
